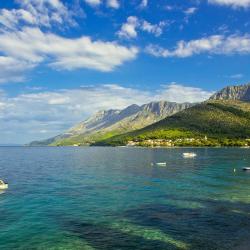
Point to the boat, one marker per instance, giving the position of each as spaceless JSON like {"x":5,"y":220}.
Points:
{"x":3,"y":185}
{"x":246,"y":169}
{"x":162,"y":164}
{"x":189,"y":155}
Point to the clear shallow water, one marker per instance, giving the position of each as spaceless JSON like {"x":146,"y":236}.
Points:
{"x":111,"y":198}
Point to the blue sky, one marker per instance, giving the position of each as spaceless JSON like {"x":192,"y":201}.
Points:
{"x":61,"y":61}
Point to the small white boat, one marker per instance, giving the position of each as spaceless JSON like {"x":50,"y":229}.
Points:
{"x":3,"y":185}
{"x":189,"y":155}
{"x":161,"y":164}
{"x":246,"y":169}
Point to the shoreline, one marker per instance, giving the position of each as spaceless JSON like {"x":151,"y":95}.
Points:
{"x":158,"y":147}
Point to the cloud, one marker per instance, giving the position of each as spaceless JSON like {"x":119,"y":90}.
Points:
{"x":26,"y":41}
{"x":11,"y":18}
{"x":129,"y":29}
{"x":32,"y":47}
{"x":12,"y":70}
{"x":37,"y":13}
{"x":113,"y":4}
{"x":93,"y":3}
{"x":236,"y":76}
{"x":55,"y":111}
{"x":155,"y":29}
{"x":190,"y":11}
{"x":232,"y":3}
{"x":144,"y":4}
{"x":216,"y":44}
{"x":178,"y":93}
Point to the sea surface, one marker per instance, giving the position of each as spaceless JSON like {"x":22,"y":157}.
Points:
{"x":112,"y":198}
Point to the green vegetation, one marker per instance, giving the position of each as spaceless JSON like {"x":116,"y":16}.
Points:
{"x":212,"y":123}
{"x":83,"y":140}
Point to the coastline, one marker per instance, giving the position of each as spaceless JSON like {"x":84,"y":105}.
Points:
{"x":96,"y":146}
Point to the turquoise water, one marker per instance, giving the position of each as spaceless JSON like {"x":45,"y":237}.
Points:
{"x":112,"y":198}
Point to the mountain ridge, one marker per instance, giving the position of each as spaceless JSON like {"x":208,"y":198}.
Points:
{"x":224,"y":117}
{"x":107,"y":123}
{"x":211,"y":123}
{"x":226,"y":114}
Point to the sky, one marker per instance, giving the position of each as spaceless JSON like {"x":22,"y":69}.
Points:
{"x":63,"y":60}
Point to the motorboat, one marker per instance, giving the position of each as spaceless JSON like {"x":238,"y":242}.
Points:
{"x":246,"y":169}
{"x":160,"y":164}
{"x":3,"y":185}
{"x":189,"y":155}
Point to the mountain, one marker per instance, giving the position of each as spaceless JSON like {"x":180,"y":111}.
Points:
{"x":240,"y":92}
{"x":105,"y":124}
{"x":212,"y":123}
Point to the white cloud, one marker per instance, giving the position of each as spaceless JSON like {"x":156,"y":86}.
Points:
{"x":178,"y":93}
{"x":216,"y":44}
{"x":113,"y":4}
{"x":23,"y":44}
{"x":55,"y":111}
{"x":12,"y":70}
{"x":93,"y":2}
{"x":155,"y":29}
{"x":48,"y":11}
{"x":37,"y":13}
{"x":144,"y":4}
{"x":11,"y":18}
{"x":232,"y":3}
{"x":31,"y":47}
{"x":190,"y":11}
{"x":129,"y":29}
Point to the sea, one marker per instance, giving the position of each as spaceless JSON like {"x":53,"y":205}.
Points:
{"x":119,"y":198}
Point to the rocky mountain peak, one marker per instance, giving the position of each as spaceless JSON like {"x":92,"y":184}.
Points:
{"x":237,"y":92}
{"x":164,"y":107}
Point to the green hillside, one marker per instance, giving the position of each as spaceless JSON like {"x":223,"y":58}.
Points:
{"x":85,"y":139}
{"x":212,"y":123}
